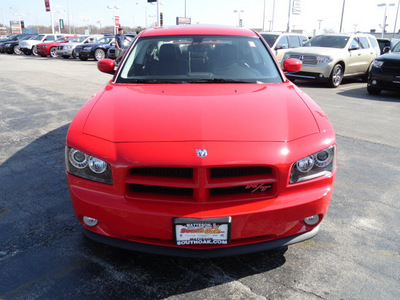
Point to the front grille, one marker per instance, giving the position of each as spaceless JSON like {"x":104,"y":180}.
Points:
{"x":60,"y":47}
{"x":203,"y":184}
{"x":306,"y":59}
{"x":391,"y":67}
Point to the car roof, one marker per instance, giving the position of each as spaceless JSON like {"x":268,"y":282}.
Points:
{"x":198,"y":30}
{"x":281,"y":33}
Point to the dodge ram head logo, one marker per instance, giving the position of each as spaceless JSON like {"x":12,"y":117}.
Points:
{"x":201,"y":152}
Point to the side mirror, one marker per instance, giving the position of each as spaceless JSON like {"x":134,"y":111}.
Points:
{"x":106,"y":66}
{"x":279,"y":47}
{"x":386,"y":50}
{"x":292,"y":65}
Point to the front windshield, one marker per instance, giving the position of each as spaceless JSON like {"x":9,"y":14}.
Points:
{"x":105,"y":40}
{"x":78,"y":39}
{"x":198,"y":59}
{"x":39,"y":37}
{"x":60,"y":39}
{"x":396,"y":48}
{"x":28,"y":37}
{"x":328,"y":41}
{"x":270,"y":38}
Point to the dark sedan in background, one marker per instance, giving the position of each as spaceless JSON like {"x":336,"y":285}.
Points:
{"x":384,"y":73}
{"x":12,"y":38}
{"x":12,"y":47}
{"x":98,"y":50}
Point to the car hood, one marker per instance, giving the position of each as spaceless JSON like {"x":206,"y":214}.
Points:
{"x":95,"y":44}
{"x":390,"y":56}
{"x":317,"y":50}
{"x":200,"y":112}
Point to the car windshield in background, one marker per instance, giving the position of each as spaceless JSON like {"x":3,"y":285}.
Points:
{"x":39,"y":37}
{"x":60,"y":39}
{"x":270,"y":38}
{"x":328,"y":41}
{"x":104,"y":40}
{"x":396,"y":48}
{"x":199,"y":59}
{"x":79,"y":39}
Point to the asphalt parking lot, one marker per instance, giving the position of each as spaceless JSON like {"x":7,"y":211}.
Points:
{"x":44,"y":255}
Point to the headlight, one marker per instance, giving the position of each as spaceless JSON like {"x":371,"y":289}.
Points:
{"x":315,"y":165}
{"x":378,"y":63}
{"x":83,"y":165}
{"x":285,"y":56}
{"x":321,"y":58}
{"x":88,"y":48}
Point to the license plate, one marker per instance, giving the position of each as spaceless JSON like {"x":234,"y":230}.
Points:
{"x":215,"y":231}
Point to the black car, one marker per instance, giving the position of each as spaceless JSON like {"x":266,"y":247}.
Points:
{"x":13,"y":46}
{"x":15,"y":37}
{"x":97,"y":50}
{"x":384,"y":73}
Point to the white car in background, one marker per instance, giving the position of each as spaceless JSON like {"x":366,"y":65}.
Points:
{"x":28,"y":46}
{"x":282,"y":42}
{"x":68,"y":49}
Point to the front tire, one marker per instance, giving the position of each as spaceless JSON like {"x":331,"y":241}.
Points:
{"x":99,"y":54}
{"x":52,"y":52}
{"x":373,"y":90}
{"x":336,"y":76}
{"x":17,"y":50}
{"x":34,"y":51}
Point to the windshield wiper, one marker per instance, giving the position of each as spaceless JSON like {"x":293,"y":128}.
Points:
{"x":152,"y":81}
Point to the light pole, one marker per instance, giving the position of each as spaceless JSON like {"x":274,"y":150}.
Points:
{"x":341,"y":20}
{"x":319,"y":25}
{"x":113,"y":7}
{"x":239,"y":20}
{"x":384,"y":16}
{"x":395,"y":22}
{"x":86,"y":20}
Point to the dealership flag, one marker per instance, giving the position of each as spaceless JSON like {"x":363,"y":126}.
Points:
{"x":47,"y":4}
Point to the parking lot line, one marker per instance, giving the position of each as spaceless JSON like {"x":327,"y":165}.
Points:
{"x":351,"y":86}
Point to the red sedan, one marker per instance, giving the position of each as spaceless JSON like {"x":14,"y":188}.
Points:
{"x":45,"y":49}
{"x":199,"y":146}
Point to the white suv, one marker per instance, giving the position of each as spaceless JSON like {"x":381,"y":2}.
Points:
{"x":330,"y":57}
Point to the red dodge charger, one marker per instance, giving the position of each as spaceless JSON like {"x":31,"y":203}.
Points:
{"x":200,"y":147}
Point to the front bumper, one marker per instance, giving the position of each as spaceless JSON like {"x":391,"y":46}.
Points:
{"x":320,"y":72}
{"x":384,"y":81}
{"x":148,"y":226}
{"x":85,"y":54}
{"x":64,"y":52}
{"x":199,"y":253}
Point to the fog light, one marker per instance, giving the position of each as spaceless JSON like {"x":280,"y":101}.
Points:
{"x":90,"y":221}
{"x":374,"y":82}
{"x":311,"y":220}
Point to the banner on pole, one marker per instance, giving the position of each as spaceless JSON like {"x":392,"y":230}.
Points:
{"x":47,"y":4}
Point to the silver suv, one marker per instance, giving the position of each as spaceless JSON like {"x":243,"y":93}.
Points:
{"x":330,"y":57}
{"x":282,"y":42}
